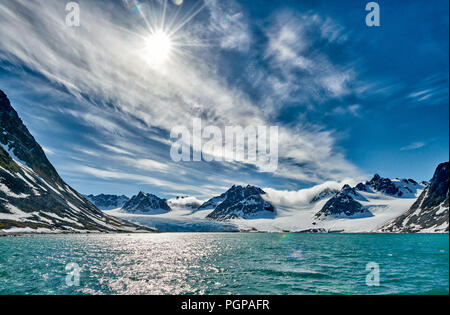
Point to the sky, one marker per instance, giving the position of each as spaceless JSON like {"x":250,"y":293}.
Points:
{"x":349,"y":100}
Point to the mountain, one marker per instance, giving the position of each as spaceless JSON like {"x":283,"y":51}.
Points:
{"x":344,"y":204}
{"x":146,"y":204}
{"x":430,"y":213}
{"x":107,"y":202}
{"x":33,"y":197}
{"x":241,"y":202}
{"x":324,"y":194}
{"x":379,"y":192}
{"x":212,"y":203}
{"x":395,"y":188}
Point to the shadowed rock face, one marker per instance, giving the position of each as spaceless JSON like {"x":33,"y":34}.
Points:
{"x":399,"y":188}
{"x":384,"y":185}
{"x":242,"y":203}
{"x":32,"y":194}
{"x":18,"y":139}
{"x":438,"y":189}
{"x":107,"y":202}
{"x":343,"y":204}
{"x":146,"y":203}
{"x":431,"y":210}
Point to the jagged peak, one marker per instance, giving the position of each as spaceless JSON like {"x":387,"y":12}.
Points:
{"x":146,"y":195}
{"x":247,"y":188}
{"x":376,"y":176}
{"x":146,"y":202}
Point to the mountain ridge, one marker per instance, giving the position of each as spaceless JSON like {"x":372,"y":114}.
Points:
{"x":146,"y":203}
{"x":33,"y":197}
{"x":430,"y":211}
{"x":372,"y":205}
{"x":241,"y":202}
{"x":107,"y":202}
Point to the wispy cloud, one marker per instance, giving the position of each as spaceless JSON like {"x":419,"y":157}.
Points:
{"x":353,"y":110}
{"x":300,"y":71}
{"x":413,"y":146}
{"x":147,"y":180}
{"x":433,"y":90}
{"x":103,"y":66}
{"x":48,"y":151}
{"x":228,"y":21}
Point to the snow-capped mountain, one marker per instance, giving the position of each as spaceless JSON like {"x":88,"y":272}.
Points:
{"x":367,"y":207}
{"x":345,"y":204}
{"x":363,"y":208}
{"x":146,"y":204}
{"x":396,"y":187}
{"x":108,"y":202}
{"x":357,"y":202}
{"x":430,"y":213}
{"x":324,"y":194}
{"x":242,"y":202}
{"x":212,"y":203}
{"x":33,"y":197}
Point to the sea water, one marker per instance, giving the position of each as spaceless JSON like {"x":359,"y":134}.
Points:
{"x":225,"y":263}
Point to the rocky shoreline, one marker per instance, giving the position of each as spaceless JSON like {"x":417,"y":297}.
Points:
{"x":4,"y":234}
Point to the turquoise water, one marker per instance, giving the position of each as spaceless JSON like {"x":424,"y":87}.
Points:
{"x":220,"y":263}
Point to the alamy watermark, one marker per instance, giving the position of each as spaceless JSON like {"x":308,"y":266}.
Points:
{"x":373,"y":18}
{"x":73,"y":275}
{"x":257,"y":145}
{"x":73,"y":15}
{"x":373,"y":277}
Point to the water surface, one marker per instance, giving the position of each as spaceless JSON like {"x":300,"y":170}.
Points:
{"x":225,"y":263}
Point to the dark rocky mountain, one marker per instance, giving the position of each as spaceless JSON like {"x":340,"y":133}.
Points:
{"x":107,"y":202}
{"x":33,"y":197}
{"x":430,"y":213}
{"x":395,"y":188}
{"x":384,"y":185}
{"x":344,"y":205}
{"x":241,"y":202}
{"x":146,"y":204}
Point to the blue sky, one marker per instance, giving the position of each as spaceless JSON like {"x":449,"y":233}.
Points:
{"x":350,"y":100}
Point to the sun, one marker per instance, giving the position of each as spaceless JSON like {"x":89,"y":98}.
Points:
{"x":159,"y":47}
{"x":162,"y":42}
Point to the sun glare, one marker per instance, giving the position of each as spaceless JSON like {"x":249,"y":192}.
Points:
{"x":159,"y":47}
{"x":164,"y":40}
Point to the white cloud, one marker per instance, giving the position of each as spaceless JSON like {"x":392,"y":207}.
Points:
{"x":229,"y":22}
{"x":287,"y":198}
{"x":287,"y":44}
{"x":336,"y":83}
{"x":116,"y":149}
{"x":105,"y":59}
{"x":413,"y":146}
{"x":353,"y":110}
{"x":300,"y":70}
{"x":146,"y":180}
{"x":48,"y":151}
